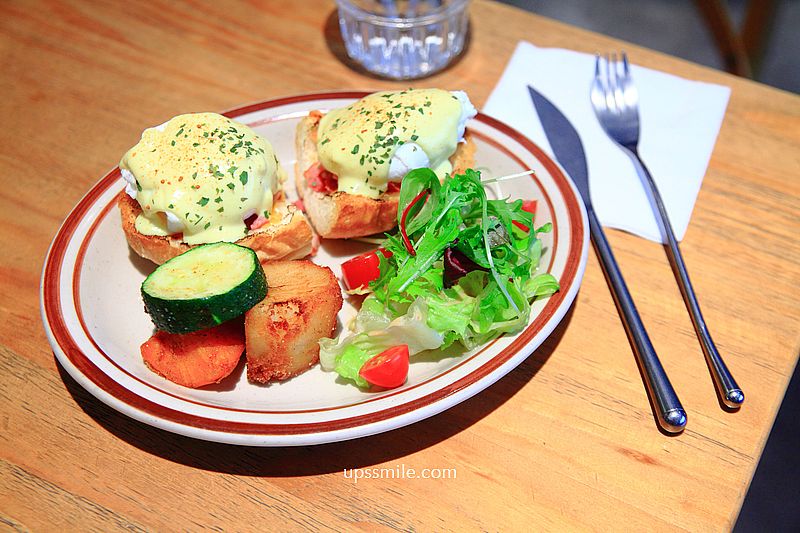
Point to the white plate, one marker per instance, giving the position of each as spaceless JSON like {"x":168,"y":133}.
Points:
{"x":95,"y":320}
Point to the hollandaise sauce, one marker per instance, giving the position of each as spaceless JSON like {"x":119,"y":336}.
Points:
{"x":358,"y":142}
{"x":201,"y":175}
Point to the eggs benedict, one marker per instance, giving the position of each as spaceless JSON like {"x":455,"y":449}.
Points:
{"x":201,"y":178}
{"x":351,"y":160}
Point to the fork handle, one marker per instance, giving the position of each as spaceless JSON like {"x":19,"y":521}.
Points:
{"x":669,"y":411}
{"x":727,"y":389}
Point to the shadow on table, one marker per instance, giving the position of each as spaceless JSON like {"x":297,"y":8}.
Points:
{"x":335,"y":43}
{"x":324,"y":458}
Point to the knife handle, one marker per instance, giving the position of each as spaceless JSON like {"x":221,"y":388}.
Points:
{"x":669,"y":411}
{"x":728,"y":390}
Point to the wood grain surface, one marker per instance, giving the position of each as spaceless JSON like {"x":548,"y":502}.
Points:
{"x":566,"y":441}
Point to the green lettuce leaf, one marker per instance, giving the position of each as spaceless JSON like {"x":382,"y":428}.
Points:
{"x":347,"y":355}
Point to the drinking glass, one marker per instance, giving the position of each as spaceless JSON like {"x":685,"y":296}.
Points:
{"x":403,"y":39}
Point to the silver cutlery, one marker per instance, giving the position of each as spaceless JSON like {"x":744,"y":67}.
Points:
{"x":568,"y":151}
{"x":615,"y":102}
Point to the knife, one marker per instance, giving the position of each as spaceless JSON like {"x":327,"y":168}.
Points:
{"x":568,"y":151}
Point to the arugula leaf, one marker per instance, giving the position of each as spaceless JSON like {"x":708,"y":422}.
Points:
{"x":429,"y":248}
{"x":415,"y":182}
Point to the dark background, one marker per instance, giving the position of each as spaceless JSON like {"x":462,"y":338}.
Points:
{"x":677,"y":27}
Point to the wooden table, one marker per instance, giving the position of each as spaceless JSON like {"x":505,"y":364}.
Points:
{"x":79,"y":82}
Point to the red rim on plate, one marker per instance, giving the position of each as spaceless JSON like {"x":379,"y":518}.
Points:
{"x":89,"y":375}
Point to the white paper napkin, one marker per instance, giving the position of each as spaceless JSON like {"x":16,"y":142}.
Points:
{"x":679,"y":121}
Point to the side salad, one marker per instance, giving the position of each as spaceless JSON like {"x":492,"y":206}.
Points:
{"x":461,"y":268}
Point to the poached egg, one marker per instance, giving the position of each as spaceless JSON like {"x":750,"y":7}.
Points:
{"x":383,"y":136}
{"x":202,"y":175}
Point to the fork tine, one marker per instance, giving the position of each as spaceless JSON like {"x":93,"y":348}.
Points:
{"x":623,"y":67}
{"x":610,"y":83}
{"x":630,"y":94}
{"x":626,"y":81}
{"x":598,"y":93}
{"x":623,"y":71}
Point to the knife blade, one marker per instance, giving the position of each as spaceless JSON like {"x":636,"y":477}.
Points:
{"x":568,"y":150}
{"x":565,"y":143}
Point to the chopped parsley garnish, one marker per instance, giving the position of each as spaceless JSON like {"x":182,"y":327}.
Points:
{"x":203,"y":201}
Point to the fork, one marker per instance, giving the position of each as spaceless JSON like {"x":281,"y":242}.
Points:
{"x":615,"y":102}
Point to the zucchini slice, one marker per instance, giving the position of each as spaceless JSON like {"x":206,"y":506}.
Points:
{"x":203,"y":287}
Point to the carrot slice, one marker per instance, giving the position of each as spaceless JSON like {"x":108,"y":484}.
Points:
{"x":195,"y":359}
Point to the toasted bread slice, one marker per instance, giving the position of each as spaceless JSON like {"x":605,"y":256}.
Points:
{"x":283,"y":330}
{"x":286,"y":235}
{"x":339,"y":214}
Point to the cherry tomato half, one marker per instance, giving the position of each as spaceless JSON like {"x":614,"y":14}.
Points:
{"x":360,"y":270}
{"x":530,"y":207}
{"x":388,"y":369}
